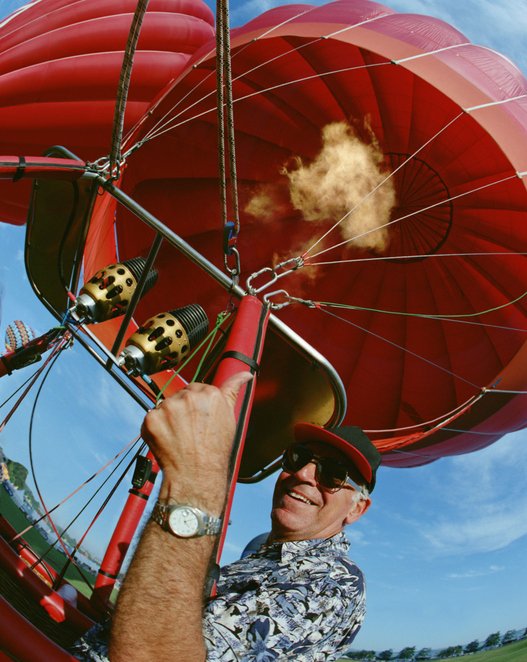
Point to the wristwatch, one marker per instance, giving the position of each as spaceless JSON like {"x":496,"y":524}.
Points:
{"x":185,"y":521}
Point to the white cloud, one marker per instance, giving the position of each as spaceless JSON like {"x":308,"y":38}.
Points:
{"x":484,"y":500}
{"x":471,"y":574}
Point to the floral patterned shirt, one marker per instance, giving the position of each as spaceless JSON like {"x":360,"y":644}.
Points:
{"x":301,"y":601}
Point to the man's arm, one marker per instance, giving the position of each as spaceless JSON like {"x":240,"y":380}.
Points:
{"x":159,"y":611}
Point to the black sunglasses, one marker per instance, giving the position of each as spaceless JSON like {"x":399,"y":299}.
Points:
{"x":330,"y":473}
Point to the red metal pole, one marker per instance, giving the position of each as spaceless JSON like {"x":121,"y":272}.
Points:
{"x":243,"y":351}
{"x":122,"y":537}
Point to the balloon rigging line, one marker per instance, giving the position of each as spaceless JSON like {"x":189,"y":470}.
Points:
{"x":21,"y":387}
{"x":496,"y":103}
{"x":159,"y":128}
{"x":404,"y":349}
{"x":124,"y":450}
{"x":415,"y":213}
{"x":221,"y":318}
{"x":100,"y":509}
{"x":164,"y":122}
{"x":32,"y":381}
{"x":160,"y":124}
{"x":377,"y":187}
{"x":390,"y":445}
{"x":481,"y":434}
{"x":30,"y":448}
{"x":123,"y":88}
{"x":433,"y":316}
{"x":443,"y":417}
{"x":435,"y":52}
{"x":171,"y":124}
{"x":414,"y":256}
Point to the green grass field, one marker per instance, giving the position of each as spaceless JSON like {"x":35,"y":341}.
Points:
{"x":516,"y":652}
{"x":56,"y":559}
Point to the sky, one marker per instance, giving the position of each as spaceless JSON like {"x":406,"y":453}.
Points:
{"x":443,"y":546}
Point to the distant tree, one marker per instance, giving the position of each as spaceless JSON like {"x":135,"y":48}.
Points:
{"x":424,"y":654}
{"x":457,"y":650}
{"x":448,"y":652}
{"x":492,"y":640}
{"x":472,"y":647}
{"x":509,"y":636}
{"x":17,"y":473}
{"x":361,"y":655}
{"x":407,"y":653}
{"x":385,"y":655}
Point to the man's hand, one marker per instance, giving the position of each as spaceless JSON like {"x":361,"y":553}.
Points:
{"x":191,"y":435}
{"x":159,"y":611}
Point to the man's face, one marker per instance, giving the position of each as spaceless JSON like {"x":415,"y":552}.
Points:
{"x":303,"y":510}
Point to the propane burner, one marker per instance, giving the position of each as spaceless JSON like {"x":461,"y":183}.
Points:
{"x":164,"y":340}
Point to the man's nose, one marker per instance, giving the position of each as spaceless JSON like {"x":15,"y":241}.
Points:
{"x":308,"y":473}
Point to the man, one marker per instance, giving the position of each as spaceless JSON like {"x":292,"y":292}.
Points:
{"x":299,"y":598}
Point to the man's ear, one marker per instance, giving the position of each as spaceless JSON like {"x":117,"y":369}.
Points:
{"x":357,"y":510}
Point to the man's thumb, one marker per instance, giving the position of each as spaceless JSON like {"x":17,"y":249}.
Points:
{"x":232,"y":385}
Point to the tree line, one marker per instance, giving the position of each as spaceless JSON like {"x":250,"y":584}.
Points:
{"x":413,"y":655}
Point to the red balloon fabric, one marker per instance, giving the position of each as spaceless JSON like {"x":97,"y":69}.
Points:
{"x":435,"y":296}
{"x":383,"y":150}
{"x":59,"y":70}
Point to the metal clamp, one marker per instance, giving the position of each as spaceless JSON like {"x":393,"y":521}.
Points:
{"x":277,"y":272}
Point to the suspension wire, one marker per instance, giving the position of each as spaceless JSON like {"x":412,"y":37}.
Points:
{"x":164,"y":125}
{"x":163,"y":122}
{"x":404,"y":349}
{"x":71,"y":560}
{"x":122,"y":90}
{"x":433,"y":316}
{"x":78,"y":489}
{"x":20,"y":387}
{"x":419,"y":211}
{"x":30,"y":448}
{"x":434,"y":421}
{"x":32,"y":381}
{"x":101,"y":508}
{"x":221,"y":318}
{"x":414,"y":256}
{"x":271,"y":88}
{"x":378,"y":186}
{"x":220,"y":103}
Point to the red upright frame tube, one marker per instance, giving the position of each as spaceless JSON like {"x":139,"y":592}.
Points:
{"x":121,"y":538}
{"x":243,"y":351}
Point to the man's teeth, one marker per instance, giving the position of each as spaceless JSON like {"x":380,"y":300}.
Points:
{"x":300,"y":497}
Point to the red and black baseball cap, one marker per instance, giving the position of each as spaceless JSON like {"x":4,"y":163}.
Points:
{"x":349,"y":440}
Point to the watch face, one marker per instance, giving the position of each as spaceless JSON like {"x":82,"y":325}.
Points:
{"x":184,"y":522}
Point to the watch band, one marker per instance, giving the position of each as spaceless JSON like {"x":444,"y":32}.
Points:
{"x":208,"y":524}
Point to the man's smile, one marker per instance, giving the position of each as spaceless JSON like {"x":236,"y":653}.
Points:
{"x":298,"y":496}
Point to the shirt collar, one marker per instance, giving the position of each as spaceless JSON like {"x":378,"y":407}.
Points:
{"x":337,"y":544}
